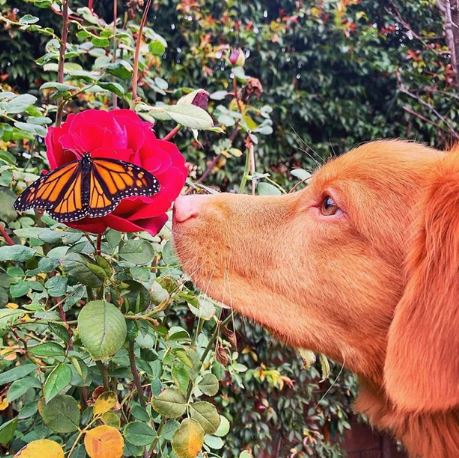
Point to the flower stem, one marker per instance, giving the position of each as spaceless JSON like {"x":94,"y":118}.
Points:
{"x":135,"y":373}
{"x":135,"y":73}
{"x":62,"y":49}
{"x":99,"y":244}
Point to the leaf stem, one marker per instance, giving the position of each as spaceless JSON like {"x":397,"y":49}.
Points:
{"x":135,"y":373}
{"x":135,"y":73}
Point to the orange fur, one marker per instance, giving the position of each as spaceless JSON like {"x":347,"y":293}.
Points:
{"x":376,"y":287}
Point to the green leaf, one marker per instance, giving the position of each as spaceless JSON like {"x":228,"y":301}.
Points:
{"x":76,"y":267}
{"x":189,"y":116}
{"x":121,"y":69}
{"x":102,"y":329}
{"x":60,"y":331}
{"x":170,"y":403}
{"x":47,"y":349}
{"x":301,"y":174}
{"x":223,"y":427}
{"x":8,"y":317}
{"x":138,"y":433}
{"x":138,"y":252}
{"x":205,"y":311}
{"x":20,"y":387}
{"x":19,"y":103}
{"x":34,"y":129}
{"x":209,"y":385}
{"x":267,"y":189}
{"x":16,"y":253}
{"x":157,"y":47}
{"x":59,"y":378}
{"x":19,"y":289}
{"x":7,"y":198}
{"x":16,"y":373}
{"x":7,"y":431}
{"x":206,"y":415}
{"x":28,"y":19}
{"x":60,"y":87}
{"x":214,"y":442}
{"x":116,"y":88}
{"x":61,"y":414}
{"x":56,"y":286}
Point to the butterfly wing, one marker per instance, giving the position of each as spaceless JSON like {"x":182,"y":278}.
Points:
{"x":112,"y":180}
{"x":59,"y":193}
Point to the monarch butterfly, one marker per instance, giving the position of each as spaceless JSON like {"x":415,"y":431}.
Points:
{"x":87,"y":187}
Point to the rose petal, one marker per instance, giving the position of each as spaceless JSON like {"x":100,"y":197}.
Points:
{"x":55,"y":153}
{"x":93,"y":225}
{"x":138,"y":131}
{"x":93,"y":129}
{"x":113,"y":153}
{"x":152,"y":225}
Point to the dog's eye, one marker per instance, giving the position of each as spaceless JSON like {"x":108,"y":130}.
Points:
{"x":328,"y":207}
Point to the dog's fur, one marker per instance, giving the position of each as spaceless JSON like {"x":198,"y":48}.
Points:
{"x":375,"y":286}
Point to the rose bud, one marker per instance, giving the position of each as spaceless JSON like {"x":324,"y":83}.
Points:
{"x":201,"y":99}
{"x":237,"y":57}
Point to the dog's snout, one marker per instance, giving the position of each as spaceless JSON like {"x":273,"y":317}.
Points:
{"x":186,"y":207}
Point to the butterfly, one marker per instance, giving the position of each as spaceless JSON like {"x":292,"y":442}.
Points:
{"x":87,"y":187}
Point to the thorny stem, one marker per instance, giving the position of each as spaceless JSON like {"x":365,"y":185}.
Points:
{"x":62,"y":49}
{"x":5,"y":235}
{"x":135,"y":73}
{"x":104,"y":372}
{"x":135,"y":373}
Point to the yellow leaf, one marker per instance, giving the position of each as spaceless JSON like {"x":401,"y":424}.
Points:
{"x":41,"y":448}
{"x":105,"y":402}
{"x":104,"y":442}
{"x":12,"y":305}
{"x":4,"y":404}
{"x":188,"y":439}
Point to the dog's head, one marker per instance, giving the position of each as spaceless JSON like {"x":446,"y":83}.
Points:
{"x":361,"y":265}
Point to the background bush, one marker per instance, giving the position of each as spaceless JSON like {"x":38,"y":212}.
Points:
{"x":332,"y":74}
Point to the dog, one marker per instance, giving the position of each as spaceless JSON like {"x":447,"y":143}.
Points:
{"x":361,"y":265}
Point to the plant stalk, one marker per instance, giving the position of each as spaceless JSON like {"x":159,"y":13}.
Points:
{"x":135,"y":73}
{"x":135,"y":373}
{"x":62,"y":49}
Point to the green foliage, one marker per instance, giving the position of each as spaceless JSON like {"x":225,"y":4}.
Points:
{"x":120,"y":338}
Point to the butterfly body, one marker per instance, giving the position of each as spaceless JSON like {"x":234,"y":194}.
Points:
{"x":88,"y":187}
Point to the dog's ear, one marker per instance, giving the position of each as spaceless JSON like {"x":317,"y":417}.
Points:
{"x":422,"y":363}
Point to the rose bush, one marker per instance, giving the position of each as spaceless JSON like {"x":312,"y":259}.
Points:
{"x":122,"y":135}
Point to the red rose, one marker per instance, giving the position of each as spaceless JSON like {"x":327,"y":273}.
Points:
{"x":121,"y":134}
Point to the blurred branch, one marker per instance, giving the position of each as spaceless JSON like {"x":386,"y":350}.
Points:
{"x":135,"y":73}
{"x":402,"y":88}
{"x":450,"y":12}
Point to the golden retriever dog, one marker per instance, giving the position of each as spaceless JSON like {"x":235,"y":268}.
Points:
{"x":361,"y":265}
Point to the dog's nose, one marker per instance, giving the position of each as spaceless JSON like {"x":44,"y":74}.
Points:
{"x":185,"y":207}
